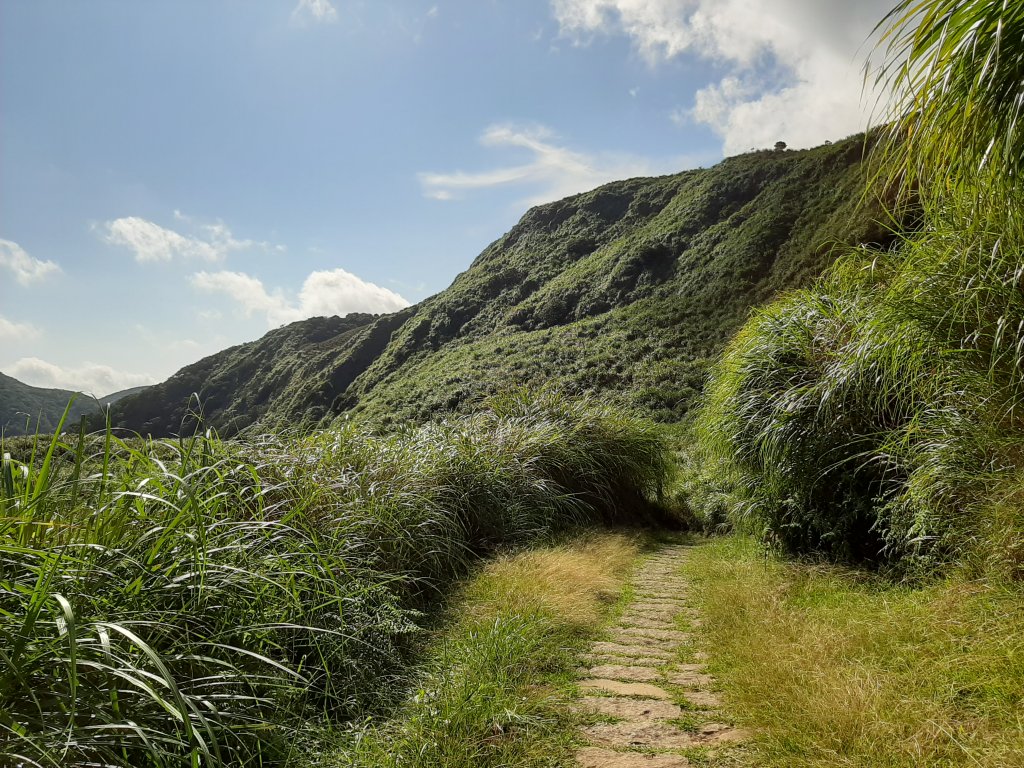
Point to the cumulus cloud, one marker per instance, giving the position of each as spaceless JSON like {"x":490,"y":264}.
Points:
{"x":553,"y":169}
{"x":328,"y":292}
{"x":794,"y":67}
{"x":151,"y":242}
{"x":27,"y":269}
{"x":12,"y":331}
{"x":318,"y":11}
{"x":91,"y":378}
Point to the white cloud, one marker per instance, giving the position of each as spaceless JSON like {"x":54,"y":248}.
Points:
{"x":795,"y":67}
{"x":319,"y":11}
{"x":27,"y":269}
{"x":329,"y":292}
{"x":91,"y":378}
{"x":555,"y":169}
{"x":151,"y":242}
{"x":12,"y":331}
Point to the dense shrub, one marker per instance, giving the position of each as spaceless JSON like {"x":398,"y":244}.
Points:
{"x":874,"y":416}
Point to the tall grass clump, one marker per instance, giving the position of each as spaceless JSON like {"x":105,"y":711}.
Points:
{"x":874,"y":416}
{"x":877,"y":416}
{"x":207,"y":603}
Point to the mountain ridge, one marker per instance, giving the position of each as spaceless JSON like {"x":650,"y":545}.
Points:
{"x":627,"y":290}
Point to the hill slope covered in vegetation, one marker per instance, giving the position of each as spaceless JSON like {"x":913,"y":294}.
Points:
{"x":235,"y":387}
{"x":628,"y":290}
{"x":24,"y":408}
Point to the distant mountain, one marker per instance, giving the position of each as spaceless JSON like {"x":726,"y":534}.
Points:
{"x":628,"y":291}
{"x":24,"y":408}
{"x":113,"y":398}
{"x":233,"y":388}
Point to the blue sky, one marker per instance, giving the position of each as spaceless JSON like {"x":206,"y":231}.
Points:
{"x":178,"y":176}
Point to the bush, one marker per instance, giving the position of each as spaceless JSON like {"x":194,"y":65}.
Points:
{"x":873,"y":416}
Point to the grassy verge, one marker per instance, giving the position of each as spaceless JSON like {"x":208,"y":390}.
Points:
{"x":836,"y":668}
{"x":495,"y":687}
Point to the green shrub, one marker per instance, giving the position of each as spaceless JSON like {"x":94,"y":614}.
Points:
{"x":873,"y":416}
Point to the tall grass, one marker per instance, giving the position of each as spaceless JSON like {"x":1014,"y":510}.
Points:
{"x":877,"y":416}
{"x":954,"y":69}
{"x":203,"y":602}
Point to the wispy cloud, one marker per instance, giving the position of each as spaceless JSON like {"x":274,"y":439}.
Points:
{"x":150,"y":241}
{"x":27,"y":269}
{"x":330,"y":292}
{"x":793,"y":66}
{"x":317,"y":11}
{"x":555,"y":170}
{"x":91,"y":378}
{"x":12,"y":331}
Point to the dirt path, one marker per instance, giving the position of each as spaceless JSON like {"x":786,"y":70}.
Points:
{"x":649,"y":709}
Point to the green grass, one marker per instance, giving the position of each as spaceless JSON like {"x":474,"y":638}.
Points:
{"x":834,"y":667}
{"x":497,"y":681}
{"x":216,"y":603}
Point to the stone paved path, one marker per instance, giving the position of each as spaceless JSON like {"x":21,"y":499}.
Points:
{"x":649,"y":709}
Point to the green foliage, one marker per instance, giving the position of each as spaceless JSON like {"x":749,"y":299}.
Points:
{"x":956,"y":69}
{"x":204,"y":602}
{"x":876,"y":414}
{"x":471,"y":710}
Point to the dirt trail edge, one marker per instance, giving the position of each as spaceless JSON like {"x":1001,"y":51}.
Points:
{"x":650,"y":710}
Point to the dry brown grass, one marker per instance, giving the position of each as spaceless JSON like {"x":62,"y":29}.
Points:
{"x":574,"y":583}
{"x":835,"y":668}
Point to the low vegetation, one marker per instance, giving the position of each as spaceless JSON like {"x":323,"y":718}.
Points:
{"x":205,"y":602}
{"x":837,"y":667}
{"x":494,"y":687}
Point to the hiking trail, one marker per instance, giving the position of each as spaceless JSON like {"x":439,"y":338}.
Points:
{"x":649,"y":708}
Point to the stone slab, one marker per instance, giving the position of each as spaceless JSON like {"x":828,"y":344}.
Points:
{"x":620,"y":688}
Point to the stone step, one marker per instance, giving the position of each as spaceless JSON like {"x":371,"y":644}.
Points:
{"x":619,"y":688}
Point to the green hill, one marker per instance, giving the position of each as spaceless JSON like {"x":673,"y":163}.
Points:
{"x":628,"y":290}
{"x":239,"y":385}
{"x":25,"y":408}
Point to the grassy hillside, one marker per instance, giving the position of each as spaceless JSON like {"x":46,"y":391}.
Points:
{"x":626,"y":291}
{"x":235,"y":387}
{"x":24,"y":408}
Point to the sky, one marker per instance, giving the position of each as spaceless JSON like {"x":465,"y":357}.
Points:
{"x":180,"y":176}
